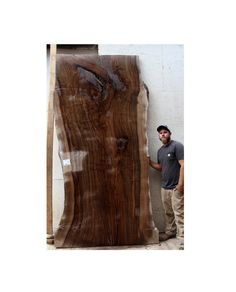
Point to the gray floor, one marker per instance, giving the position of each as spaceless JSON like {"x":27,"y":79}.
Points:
{"x":170,"y":244}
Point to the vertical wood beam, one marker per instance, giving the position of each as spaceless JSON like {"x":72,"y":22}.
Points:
{"x":50,"y":127}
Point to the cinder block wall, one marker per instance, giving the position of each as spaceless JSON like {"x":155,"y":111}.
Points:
{"x":162,"y":69}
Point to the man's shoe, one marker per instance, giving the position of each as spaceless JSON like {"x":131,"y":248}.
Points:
{"x":164,"y":236}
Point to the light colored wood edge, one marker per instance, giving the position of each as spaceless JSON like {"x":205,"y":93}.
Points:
{"x":50,"y":127}
{"x":150,"y":232}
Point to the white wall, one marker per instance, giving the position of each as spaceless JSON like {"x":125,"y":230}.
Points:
{"x":161,"y":69}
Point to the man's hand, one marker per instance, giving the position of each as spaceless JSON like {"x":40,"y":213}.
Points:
{"x":179,"y":188}
{"x":157,"y":166}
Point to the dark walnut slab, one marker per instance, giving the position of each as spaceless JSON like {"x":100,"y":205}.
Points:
{"x":100,"y":107}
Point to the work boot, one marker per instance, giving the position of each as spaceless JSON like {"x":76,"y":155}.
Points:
{"x":164,"y":236}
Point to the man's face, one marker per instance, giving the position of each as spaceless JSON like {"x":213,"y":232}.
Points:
{"x":164,"y":136}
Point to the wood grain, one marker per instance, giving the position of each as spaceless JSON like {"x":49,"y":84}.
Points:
{"x":100,"y":108}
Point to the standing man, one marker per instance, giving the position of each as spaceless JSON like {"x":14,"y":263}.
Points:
{"x":170,"y":161}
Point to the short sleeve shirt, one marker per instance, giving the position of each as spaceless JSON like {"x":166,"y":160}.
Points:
{"x":168,"y":156}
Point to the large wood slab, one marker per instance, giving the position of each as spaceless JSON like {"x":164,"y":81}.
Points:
{"x":100,"y":108}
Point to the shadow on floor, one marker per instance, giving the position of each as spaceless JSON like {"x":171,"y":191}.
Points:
{"x":170,"y":244}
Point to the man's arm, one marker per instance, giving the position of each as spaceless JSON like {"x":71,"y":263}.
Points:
{"x":154,"y":165}
{"x":180,"y":186}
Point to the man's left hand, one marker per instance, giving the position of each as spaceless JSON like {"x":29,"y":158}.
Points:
{"x":179,"y":188}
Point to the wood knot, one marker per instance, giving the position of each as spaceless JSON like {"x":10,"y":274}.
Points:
{"x":122,"y":143}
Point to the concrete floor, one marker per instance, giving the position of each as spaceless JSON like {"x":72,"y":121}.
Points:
{"x":170,"y":244}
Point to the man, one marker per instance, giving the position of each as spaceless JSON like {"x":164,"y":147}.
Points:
{"x":170,"y":161}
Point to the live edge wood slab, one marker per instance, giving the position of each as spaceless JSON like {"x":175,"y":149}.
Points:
{"x":100,"y":107}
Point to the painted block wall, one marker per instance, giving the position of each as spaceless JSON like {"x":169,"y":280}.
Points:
{"x":162,"y":69}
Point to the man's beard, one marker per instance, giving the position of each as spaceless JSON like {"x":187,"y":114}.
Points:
{"x":166,"y":140}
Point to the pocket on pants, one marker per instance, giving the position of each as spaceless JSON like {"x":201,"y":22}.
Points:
{"x":178,"y":194}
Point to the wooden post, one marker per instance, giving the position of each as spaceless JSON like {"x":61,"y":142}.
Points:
{"x":50,"y":127}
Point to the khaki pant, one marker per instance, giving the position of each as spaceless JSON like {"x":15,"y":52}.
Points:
{"x":173,"y":203}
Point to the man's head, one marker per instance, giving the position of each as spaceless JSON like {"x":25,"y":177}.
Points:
{"x":164,"y":134}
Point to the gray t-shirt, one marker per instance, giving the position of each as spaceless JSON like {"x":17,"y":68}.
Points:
{"x":168,"y":157}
